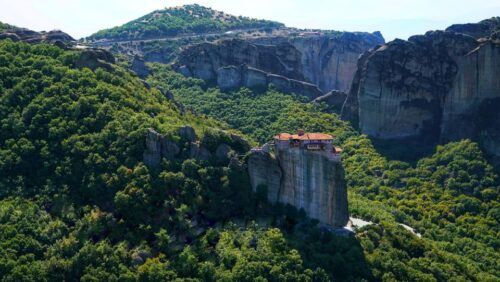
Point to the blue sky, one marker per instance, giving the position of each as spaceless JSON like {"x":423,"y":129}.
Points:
{"x":394,"y":18}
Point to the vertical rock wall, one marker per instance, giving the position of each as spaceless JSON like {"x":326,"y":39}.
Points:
{"x":472,"y":106}
{"x":326,"y":61}
{"x":437,"y":87}
{"x":305,"y":179}
{"x":329,"y":61}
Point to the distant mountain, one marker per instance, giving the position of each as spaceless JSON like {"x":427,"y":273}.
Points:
{"x":189,"y":19}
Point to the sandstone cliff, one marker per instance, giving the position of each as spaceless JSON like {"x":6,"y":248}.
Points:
{"x":293,"y":64}
{"x":482,"y":29}
{"x":431,"y":87}
{"x":328,"y":61}
{"x":334,"y":100}
{"x":305,"y":179}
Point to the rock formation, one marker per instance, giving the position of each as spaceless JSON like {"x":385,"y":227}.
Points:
{"x":159,"y":147}
{"x":482,"y":29}
{"x":309,"y":180}
{"x":328,"y":60}
{"x":293,"y":64}
{"x":30,"y":36}
{"x":471,"y":107}
{"x":94,"y":58}
{"x":138,"y":65}
{"x":334,"y":100}
{"x":91,"y":58}
{"x":438,"y":87}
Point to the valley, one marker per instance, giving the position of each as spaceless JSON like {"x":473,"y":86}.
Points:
{"x":158,"y":151}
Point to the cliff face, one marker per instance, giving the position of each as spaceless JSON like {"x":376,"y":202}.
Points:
{"x":440,"y":86}
{"x":290,"y":63}
{"x":30,"y":36}
{"x":203,"y":60}
{"x":304,"y":179}
{"x":482,"y":29}
{"x":329,"y":61}
{"x":473,"y":102}
{"x":401,"y":86}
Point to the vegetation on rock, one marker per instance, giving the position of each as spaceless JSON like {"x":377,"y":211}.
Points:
{"x":4,"y":26}
{"x":188,"y":19}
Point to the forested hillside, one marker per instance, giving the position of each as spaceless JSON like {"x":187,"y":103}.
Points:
{"x":451,"y":197}
{"x":78,"y":203}
{"x":188,"y":19}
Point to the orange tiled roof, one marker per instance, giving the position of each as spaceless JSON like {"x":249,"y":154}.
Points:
{"x":306,"y":136}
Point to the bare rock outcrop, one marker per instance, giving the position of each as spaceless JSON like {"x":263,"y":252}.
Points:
{"x":158,"y":147}
{"x":440,"y":86}
{"x":306,"y":65}
{"x":30,"y":36}
{"x":94,"y":58}
{"x":482,"y":29}
{"x":402,"y":84}
{"x":305,"y":179}
{"x":219,"y":149}
{"x":138,"y":65}
{"x":471,"y":107}
{"x":203,"y":60}
{"x":334,"y":100}
{"x":328,"y":60}
{"x":233,"y":78}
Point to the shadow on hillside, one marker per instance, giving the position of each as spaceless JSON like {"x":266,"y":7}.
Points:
{"x":408,"y":150}
{"x":340,"y":256}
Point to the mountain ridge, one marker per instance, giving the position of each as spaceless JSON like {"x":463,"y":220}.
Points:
{"x":187,"y":19}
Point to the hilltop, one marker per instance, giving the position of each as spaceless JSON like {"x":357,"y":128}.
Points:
{"x":188,"y":19}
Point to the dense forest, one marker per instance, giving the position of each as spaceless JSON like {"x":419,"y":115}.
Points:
{"x":78,"y":203}
{"x":188,"y":19}
{"x":450,"y":197}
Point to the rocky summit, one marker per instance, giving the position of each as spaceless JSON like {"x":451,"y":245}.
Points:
{"x":440,"y":86}
{"x":483,"y":29}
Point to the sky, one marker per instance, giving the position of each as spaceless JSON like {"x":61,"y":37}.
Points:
{"x":394,"y":18}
